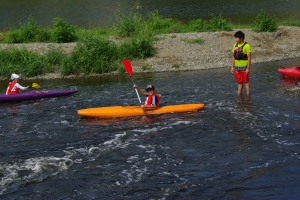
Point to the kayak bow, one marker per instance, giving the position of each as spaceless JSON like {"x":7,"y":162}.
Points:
{"x":291,"y":72}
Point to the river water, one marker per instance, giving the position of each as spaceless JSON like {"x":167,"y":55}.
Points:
{"x":236,"y":148}
{"x":101,"y":13}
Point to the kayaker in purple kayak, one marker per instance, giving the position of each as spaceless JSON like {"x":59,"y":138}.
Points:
{"x":14,"y":87}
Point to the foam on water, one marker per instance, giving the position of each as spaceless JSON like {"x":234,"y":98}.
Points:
{"x":19,"y":173}
{"x":37,"y":169}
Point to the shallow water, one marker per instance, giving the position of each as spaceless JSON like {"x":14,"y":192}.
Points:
{"x":102,"y":13}
{"x":236,"y":148}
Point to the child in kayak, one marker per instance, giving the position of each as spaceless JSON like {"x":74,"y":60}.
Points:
{"x":14,"y":87}
{"x":152,"y":99}
{"x":241,"y":62}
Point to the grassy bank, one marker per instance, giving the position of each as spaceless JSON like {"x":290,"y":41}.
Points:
{"x":102,"y":50}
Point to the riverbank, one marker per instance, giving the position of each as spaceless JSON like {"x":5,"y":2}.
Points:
{"x":174,"y":53}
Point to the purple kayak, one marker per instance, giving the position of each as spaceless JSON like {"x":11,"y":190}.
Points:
{"x":35,"y":94}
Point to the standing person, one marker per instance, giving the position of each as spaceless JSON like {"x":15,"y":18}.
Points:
{"x":14,"y":87}
{"x":152,"y":99}
{"x":241,"y":62}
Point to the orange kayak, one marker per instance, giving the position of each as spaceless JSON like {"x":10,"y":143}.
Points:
{"x":131,"y":111}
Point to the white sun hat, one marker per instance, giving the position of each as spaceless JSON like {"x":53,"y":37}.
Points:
{"x":14,"y":76}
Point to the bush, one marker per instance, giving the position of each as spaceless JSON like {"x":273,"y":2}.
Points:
{"x":219,"y":24}
{"x":100,"y":55}
{"x":6,"y":67}
{"x":198,"y":25}
{"x":265,"y":23}
{"x":53,"y":59}
{"x":121,"y":69}
{"x":136,"y":48}
{"x":44,"y":35}
{"x":15,"y":37}
{"x":135,"y":25}
{"x":214,"y":24}
{"x":29,"y":32}
{"x":63,"y":31}
{"x":128,"y":25}
{"x":157,"y":23}
{"x":94,"y":55}
{"x":22,"y":61}
{"x":29,"y":63}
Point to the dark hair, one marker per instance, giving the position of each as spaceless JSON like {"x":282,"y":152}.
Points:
{"x":150,"y":87}
{"x":239,"y":34}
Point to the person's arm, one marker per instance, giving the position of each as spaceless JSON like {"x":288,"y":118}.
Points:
{"x":139,"y":90}
{"x":232,"y":64}
{"x":248,"y":50}
{"x":232,"y":60}
{"x":17,"y":85}
{"x":249,"y":62}
{"x":7,"y":90}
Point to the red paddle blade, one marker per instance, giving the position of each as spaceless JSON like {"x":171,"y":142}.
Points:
{"x":128,"y":67}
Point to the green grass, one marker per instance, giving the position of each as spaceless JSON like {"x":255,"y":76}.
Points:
{"x":177,"y":66}
{"x":136,"y":25}
{"x":93,"y":55}
{"x":216,"y":23}
{"x":290,"y":23}
{"x":27,"y":63}
{"x":146,"y":66}
{"x":83,"y":33}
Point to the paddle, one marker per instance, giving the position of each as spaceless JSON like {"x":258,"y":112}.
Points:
{"x":35,"y":85}
{"x":128,"y":69}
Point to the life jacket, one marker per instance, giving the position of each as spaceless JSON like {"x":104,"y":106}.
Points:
{"x":238,"y":52}
{"x":148,"y":101}
{"x":11,"y":89}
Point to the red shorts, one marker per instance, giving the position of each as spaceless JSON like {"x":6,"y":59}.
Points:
{"x":241,"y":76}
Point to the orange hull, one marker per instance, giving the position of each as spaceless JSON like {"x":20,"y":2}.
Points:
{"x":130,"y":111}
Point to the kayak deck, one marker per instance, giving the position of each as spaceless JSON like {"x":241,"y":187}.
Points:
{"x":130,"y":111}
{"x":291,"y":72}
{"x":35,"y":94}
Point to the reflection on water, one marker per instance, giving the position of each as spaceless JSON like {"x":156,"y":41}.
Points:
{"x":102,"y":13}
{"x":244,"y":102}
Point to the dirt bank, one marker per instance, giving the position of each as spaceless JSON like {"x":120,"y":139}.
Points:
{"x":173,"y":53}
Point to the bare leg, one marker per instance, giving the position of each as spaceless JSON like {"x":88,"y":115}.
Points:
{"x":247,"y":86}
{"x":241,"y":99}
{"x":240,"y":88}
